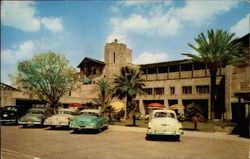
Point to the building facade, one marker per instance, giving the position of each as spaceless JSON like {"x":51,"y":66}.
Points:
{"x":173,"y":82}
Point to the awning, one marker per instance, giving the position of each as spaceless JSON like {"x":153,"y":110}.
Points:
{"x":75,"y":105}
{"x":155,"y":105}
{"x":117,"y":106}
{"x":86,"y":80}
{"x":176,"y":106}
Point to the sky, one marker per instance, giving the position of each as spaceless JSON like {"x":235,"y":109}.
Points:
{"x":156,"y":31}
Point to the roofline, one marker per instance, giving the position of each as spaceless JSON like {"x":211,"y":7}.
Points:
{"x":8,"y":86}
{"x":91,"y":59}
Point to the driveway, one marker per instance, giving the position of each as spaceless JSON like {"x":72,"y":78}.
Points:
{"x":117,"y":142}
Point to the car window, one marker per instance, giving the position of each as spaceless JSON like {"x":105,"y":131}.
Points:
{"x":164,"y":114}
{"x":66,"y":112}
{"x":90,"y":113}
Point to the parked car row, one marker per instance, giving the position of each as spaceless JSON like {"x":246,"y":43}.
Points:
{"x":65,"y":117}
{"x":162,"y":122}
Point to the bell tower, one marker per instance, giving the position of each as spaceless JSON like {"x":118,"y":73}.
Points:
{"x":116,"y":55}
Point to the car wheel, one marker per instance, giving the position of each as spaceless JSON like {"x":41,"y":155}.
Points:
{"x":177,"y":138}
{"x":2,"y":123}
{"x":99,"y":130}
{"x":25,"y":126}
{"x":52,"y":127}
{"x":148,"y":137}
{"x":75,"y":130}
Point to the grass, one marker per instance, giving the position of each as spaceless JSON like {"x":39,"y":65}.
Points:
{"x":202,"y":126}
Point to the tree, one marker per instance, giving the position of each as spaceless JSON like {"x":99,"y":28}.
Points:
{"x":217,"y":49}
{"x":104,"y":90}
{"x":127,"y":85}
{"x":47,"y":76}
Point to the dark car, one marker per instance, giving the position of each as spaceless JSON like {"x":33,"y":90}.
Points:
{"x":11,"y":114}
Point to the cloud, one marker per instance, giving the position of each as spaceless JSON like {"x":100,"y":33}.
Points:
{"x":146,"y":57}
{"x":200,"y":11}
{"x":23,"y":51}
{"x":53,"y":24}
{"x":163,"y":22}
{"x":134,"y":2}
{"x":241,"y":27}
{"x":23,"y":15}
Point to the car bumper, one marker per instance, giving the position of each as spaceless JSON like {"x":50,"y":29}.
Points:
{"x":8,"y":120}
{"x":56,"y":123}
{"x":29,"y":123}
{"x":164,"y":133}
{"x":82,"y":127}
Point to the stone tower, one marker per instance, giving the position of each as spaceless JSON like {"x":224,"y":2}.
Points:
{"x":116,"y":55}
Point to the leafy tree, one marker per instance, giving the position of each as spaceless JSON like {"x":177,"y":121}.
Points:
{"x":47,"y":76}
{"x":127,"y":85}
{"x":103,"y":88}
{"x":218,"y":48}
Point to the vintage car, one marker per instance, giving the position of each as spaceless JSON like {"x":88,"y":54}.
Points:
{"x":62,"y":118}
{"x":35,"y":116}
{"x":11,"y":114}
{"x":164,"y":122}
{"x":89,"y":119}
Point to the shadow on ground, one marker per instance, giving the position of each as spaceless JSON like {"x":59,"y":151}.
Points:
{"x":163,"y":138}
{"x":88,"y":131}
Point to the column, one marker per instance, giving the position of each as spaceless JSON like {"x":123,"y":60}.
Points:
{"x":157,"y":70}
{"x":192,"y":73}
{"x":180,"y":102}
{"x":141,"y":107}
{"x":180,"y":71}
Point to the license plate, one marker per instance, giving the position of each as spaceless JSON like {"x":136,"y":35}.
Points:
{"x":29,"y":122}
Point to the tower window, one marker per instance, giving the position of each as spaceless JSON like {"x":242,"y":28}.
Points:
{"x":114,"y":57}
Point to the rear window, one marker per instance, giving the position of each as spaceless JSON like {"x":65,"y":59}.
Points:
{"x":164,"y":115}
{"x":90,"y":113}
{"x":66,"y":112}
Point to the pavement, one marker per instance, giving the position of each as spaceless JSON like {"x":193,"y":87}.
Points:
{"x":206,"y":135}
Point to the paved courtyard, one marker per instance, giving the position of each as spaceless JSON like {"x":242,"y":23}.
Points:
{"x":117,"y":143}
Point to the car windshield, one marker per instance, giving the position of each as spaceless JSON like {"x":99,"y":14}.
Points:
{"x":35,"y":112}
{"x":164,"y":114}
{"x":66,"y":112}
{"x":90,"y":113}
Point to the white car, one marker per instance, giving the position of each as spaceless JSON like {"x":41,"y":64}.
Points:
{"x":164,"y":122}
{"x":62,"y":118}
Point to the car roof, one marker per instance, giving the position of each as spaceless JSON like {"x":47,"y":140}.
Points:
{"x":42,"y":109}
{"x":67,"y":109}
{"x":92,"y":110}
{"x":163,"y":110}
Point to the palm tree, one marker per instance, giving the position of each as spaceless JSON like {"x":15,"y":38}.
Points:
{"x":127,"y":85}
{"x":104,"y":90}
{"x":218,"y":48}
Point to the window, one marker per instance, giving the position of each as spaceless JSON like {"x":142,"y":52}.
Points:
{"x":202,"y":89}
{"x":172,"y":90}
{"x":158,"y":91}
{"x":114,"y":57}
{"x":187,"y":90}
{"x":94,"y":71}
{"x":148,"y":91}
{"x":69,"y":93}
